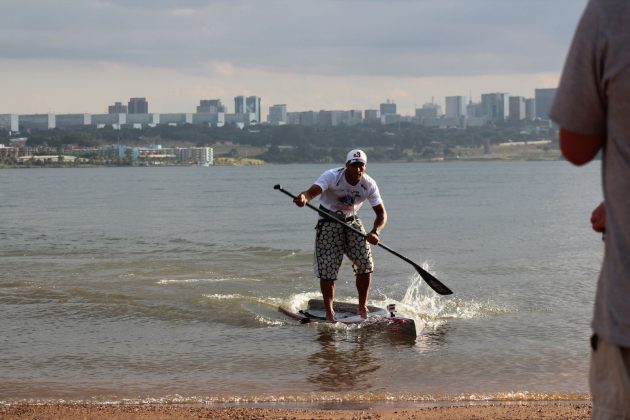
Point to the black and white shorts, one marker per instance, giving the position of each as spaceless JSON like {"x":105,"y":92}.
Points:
{"x":332,"y":241}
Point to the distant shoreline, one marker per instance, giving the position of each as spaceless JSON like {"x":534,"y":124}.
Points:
{"x":261,"y":163}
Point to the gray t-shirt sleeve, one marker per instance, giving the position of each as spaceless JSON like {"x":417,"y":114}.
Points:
{"x":594,"y":98}
{"x":579,"y":104}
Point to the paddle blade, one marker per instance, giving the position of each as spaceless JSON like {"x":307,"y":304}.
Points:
{"x":433,"y":283}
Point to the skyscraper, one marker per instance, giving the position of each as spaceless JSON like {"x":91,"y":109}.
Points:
{"x":277,"y":114}
{"x":455,"y":106}
{"x":117,"y":108}
{"x":544,"y":99}
{"x":495,"y":106}
{"x":248,"y":105}
{"x":517,"y":108}
{"x":239,"y":104}
{"x":428,"y":110}
{"x":138,"y":106}
{"x":252,"y":105}
{"x":388,"y":107}
{"x":530,"y":109}
{"x":210,"y":106}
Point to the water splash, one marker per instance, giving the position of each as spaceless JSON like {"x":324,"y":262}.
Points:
{"x":267,"y":321}
{"x":421,"y":302}
{"x":299,"y":300}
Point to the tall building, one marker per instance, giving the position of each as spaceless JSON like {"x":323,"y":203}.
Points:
{"x":495,"y":106}
{"x":372,"y":115}
{"x":9,"y":122}
{"x":428,"y":110}
{"x":473,"y":109}
{"x":293,"y":118}
{"x":138,"y":106}
{"x":517,"y":108}
{"x":252,"y":105}
{"x":455,"y":106}
{"x":117,"y":108}
{"x":309,"y":118}
{"x":277,"y":114}
{"x":331,"y":118}
{"x":210,"y":106}
{"x":530,"y":109}
{"x":388,"y":108}
{"x":239,"y":104}
{"x":355,"y":116}
{"x":544,"y":99}
{"x":248,"y":105}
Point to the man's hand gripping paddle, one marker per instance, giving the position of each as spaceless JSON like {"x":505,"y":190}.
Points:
{"x":433,"y":283}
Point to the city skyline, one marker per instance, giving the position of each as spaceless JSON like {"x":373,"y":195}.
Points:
{"x":81,"y":56}
{"x":458,"y":105}
{"x":493,"y":108}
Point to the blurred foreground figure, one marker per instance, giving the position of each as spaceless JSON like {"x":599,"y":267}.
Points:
{"x":592,"y":107}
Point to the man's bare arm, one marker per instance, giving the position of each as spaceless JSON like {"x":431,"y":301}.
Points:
{"x":306,"y":196}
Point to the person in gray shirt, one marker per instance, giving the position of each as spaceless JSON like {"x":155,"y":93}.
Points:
{"x":592,"y":108}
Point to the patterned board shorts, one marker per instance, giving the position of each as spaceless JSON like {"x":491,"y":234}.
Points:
{"x":332,"y":241}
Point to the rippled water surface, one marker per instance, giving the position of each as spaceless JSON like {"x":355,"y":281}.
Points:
{"x":162,"y":284}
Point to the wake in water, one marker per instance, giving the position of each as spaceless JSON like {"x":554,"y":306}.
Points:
{"x":419,"y":302}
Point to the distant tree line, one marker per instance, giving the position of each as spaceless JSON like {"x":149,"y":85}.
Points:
{"x":297,"y":143}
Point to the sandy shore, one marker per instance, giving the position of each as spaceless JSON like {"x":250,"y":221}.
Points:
{"x":114,"y":412}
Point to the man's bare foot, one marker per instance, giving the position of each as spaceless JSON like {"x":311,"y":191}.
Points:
{"x":330,"y":316}
{"x":362,"y":311}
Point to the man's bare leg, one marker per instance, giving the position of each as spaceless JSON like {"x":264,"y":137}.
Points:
{"x":328,"y":293}
{"x":363,"y":287}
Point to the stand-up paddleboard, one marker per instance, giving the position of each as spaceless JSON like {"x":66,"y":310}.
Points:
{"x":346,"y":313}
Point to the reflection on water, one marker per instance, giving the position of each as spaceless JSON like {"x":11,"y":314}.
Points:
{"x":350,"y":359}
{"x":344,"y":363}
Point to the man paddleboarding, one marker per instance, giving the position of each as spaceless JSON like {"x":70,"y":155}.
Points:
{"x":343,"y":191}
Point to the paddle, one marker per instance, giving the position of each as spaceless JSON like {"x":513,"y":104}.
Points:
{"x":433,"y":283}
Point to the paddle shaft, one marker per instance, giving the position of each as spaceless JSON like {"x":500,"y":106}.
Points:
{"x":434,"y":283}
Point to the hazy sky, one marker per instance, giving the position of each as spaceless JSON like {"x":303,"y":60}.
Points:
{"x":75,"y":56}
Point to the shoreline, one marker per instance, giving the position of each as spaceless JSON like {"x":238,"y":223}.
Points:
{"x":450,"y":410}
{"x":480,"y":159}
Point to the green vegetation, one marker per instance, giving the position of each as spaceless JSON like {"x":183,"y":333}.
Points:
{"x":297,"y":143}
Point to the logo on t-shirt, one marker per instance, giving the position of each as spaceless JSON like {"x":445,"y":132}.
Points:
{"x":350,"y":199}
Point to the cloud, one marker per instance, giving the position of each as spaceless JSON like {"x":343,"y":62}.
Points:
{"x":329,"y":37}
{"x":160,"y":4}
{"x":263,"y":46}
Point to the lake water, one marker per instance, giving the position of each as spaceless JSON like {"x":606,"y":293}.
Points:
{"x":162,"y":285}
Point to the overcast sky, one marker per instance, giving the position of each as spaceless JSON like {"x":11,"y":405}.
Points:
{"x":75,"y":56}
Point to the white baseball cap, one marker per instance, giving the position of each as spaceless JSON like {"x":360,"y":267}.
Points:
{"x":356,"y":155}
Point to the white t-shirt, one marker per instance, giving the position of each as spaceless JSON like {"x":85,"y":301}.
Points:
{"x":339,"y":195}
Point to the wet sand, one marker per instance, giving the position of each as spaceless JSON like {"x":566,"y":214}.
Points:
{"x":581,"y":410}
